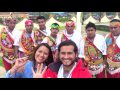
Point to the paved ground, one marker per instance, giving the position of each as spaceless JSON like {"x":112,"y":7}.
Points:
{"x":2,"y":72}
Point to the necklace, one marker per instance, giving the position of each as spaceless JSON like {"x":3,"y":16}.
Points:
{"x":68,"y":35}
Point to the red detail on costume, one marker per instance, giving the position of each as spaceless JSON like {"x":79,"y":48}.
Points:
{"x":7,"y":65}
{"x":117,"y":75}
{"x":64,"y":38}
{"x":78,"y":72}
{"x":29,"y":22}
{"x":70,"y":23}
{"x":114,"y":47}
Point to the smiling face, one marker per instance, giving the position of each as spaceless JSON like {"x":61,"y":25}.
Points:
{"x":41,"y":54}
{"x":67,"y":55}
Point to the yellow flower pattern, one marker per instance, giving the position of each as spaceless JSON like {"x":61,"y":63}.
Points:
{"x":4,"y":35}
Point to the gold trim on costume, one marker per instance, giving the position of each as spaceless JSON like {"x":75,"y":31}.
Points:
{"x":96,"y":62}
{"x":112,"y":63}
{"x":6,"y":49}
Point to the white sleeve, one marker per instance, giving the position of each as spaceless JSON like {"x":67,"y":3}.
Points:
{"x":44,"y":40}
{"x":8,"y":75}
{"x":33,"y":36}
{"x":17,"y":40}
{"x":77,"y":39}
{"x":104,"y":47}
{"x":81,"y":49}
{"x":58,"y":41}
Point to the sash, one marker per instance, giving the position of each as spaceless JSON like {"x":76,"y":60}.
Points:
{"x":92,"y":54}
{"x":7,"y":48}
{"x":64,"y":37}
{"x":52,"y":43}
{"x":113,"y":57}
{"x":42,"y":32}
{"x":27,"y":43}
{"x":6,"y":41}
{"x":51,"y":40}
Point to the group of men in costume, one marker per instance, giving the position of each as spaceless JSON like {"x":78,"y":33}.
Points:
{"x":100,"y":54}
{"x":15,"y":44}
{"x":113,"y":49}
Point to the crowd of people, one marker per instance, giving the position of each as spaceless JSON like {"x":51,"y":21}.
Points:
{"x":46,"y":53}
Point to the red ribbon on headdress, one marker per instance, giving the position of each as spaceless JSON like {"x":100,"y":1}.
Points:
{"x":70,"y":23}
{"x":29,"y":22}
{"x":115,"y":24}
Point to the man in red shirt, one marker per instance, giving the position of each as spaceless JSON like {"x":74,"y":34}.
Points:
{"x":67,"y":66}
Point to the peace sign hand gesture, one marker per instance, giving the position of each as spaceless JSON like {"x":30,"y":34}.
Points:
{"x":39,"y":72}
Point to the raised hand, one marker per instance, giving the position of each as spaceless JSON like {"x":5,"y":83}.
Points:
{"x":20,"y":62}
{"x":39,"y":72}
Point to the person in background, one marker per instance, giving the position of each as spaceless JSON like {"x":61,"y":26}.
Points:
{"x":51,"y":39}
{"x":8,"y":35}
{"x":69,"y":34}
{"x":93,"y":50}
{"x":42,"y":32}
{"x":24,"y":43}
{"x":113,"y":49}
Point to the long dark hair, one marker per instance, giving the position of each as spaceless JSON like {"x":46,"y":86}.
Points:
{"x":50,"y":56}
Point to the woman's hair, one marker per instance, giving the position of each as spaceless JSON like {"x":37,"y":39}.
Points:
{"x":50,"y":56}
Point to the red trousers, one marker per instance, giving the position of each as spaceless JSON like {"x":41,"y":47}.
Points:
{"x":117,"y":75}
{"x":103,"y":74}
{"x":7,"y":65}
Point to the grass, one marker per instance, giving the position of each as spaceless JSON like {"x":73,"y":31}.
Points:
{"x":1,"y":64}
{"x":102,"y":28}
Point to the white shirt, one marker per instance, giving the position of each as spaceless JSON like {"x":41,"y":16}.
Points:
{"x":45,"y":40}
{"x":17,"y":41}
{"x":118,"y":41}
{"x":13,"y":34}
{"x":76,"y":37}
{"x":47,"y":31}
{"x":61,"y":71}
{"x":99,"y":42}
